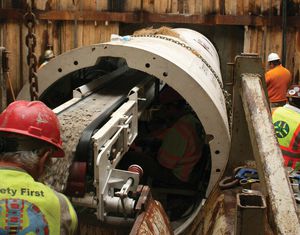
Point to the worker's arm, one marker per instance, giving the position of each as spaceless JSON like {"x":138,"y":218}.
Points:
{"x":69,"y":221}
{"x":267,"y":78}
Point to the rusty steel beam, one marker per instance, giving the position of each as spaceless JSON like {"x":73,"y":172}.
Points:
{"x":146,"y":17}
{"x":268,"y":157}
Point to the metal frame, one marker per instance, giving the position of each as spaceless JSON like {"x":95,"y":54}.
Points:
{"x":253,"y":137}
{"x":111,"y":142}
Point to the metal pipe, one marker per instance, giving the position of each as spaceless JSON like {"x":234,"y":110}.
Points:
{"x":250,"y":216}
{"x":123,"y":206}
{"x":86,"y":201}
{"x":284,"y":29}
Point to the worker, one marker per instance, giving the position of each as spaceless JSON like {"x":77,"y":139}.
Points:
{"x":181,"y":144}
{"x":278,"y":79}
{"x":286,"y":121}
{"x":48,"y":55}
{"x":29,"y":137}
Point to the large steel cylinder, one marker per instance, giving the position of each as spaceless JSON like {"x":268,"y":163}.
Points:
{"x":188,"y":63}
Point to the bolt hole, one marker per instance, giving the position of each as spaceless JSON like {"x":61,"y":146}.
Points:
{"x":154,"y":58}
{"x":60,"y":70}
{"x":218,"y":170}
{"x":165,"y":74}
{"x":147,"y":65}
{"x":75,"y":62}
{"x":217,"y":152}
{"x":105,"y":47}
{"x":93,"y":48}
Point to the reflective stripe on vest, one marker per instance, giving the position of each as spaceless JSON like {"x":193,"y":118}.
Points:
{"x":181,"y":148}
{"x":287,"y":130}
{"x":27,"y":206}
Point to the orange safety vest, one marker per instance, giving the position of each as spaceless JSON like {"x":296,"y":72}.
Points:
{"x":286,"y":122}
{"x":277,"y":81}
{"x":181,"y":147}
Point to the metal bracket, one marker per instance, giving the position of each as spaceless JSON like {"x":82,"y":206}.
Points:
{"x":111,"y":142}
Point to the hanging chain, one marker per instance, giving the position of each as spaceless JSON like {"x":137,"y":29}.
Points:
{"x":30,"y":40}
{"x":225,"y":93}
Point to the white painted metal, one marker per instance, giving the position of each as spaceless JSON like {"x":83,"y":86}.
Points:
{"x":114,"y":138}
{"x":202,"y":45}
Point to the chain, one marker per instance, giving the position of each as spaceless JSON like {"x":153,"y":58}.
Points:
{"x":30,"y":40}
{"x":218,"y":79}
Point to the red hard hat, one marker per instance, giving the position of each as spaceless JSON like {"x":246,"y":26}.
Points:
{"x":34,"y":119}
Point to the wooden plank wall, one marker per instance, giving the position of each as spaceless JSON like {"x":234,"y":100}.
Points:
{"x":66,"y":35}
{"x":263,"y":40}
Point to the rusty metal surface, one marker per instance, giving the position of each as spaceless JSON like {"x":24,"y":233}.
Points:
{"x":241,"y":149}
{"x":268,"y":157}
{"x":153,"y":221}
{"x":250,"y":215}
{"x":218,"y":215}
{"x":88,"y":224}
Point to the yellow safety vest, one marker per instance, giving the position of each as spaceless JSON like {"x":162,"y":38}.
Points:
{"x":286,"y":123}
{"x":29,"y":207}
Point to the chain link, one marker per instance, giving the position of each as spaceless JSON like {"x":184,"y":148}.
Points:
{"x":226,"y":94}
{"x":30,"y":40}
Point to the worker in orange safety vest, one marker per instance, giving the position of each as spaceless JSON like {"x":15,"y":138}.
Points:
{"x":286,"y":122}
{"x":29,"y":137}
{"x":181,"y":144}
{"x":278,"y":79}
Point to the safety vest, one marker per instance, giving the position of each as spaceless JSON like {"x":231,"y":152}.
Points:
{"x":277,"y":81}
{"x":181,"y":148}
{"x":286,"y":123}
{"x":30,"y":207}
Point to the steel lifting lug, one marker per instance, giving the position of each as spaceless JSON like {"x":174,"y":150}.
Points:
{"x":241,"y":176}
{"x":228,"y":182}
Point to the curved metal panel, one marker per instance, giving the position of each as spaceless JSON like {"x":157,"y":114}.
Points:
{"x":168,"y":59}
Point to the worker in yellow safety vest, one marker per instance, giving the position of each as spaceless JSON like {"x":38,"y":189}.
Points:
{"x":286,"y":122}
{"x":29,"y":137}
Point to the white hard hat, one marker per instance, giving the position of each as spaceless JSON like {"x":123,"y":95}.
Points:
{"x":273,"y":56}
{"x":48,"y":54}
